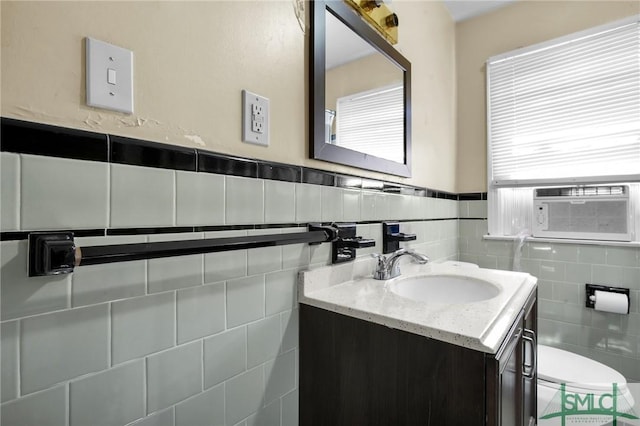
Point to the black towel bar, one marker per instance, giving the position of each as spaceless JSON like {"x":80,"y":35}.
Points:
{"x":53,"y":253}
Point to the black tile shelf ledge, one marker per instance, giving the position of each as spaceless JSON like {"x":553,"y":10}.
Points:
{"x":26,"y":137}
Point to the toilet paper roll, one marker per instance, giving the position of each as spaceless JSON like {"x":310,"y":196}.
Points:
{"x":606,"y":301}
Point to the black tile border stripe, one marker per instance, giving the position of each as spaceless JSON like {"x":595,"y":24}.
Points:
{"x":151,"y":154}
{"x":26,"y":137}
{"x":23,"y":235}
{"x":318,"y":177}
{"x":150,"y":230}
{"x":209,"y":162}
{"x":281,"y":172}
{"x":472,"y":196}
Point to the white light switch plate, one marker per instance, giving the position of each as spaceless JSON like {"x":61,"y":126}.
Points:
{"x":255,"y":118}
{"x":109,"y":76}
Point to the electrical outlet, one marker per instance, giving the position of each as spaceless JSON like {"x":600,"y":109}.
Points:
{"x":255,"y":118}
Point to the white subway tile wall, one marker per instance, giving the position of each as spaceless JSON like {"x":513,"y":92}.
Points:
{"x":206,"y":408}
{"x":174,"y":375}
{"x":63,"y":193}
{"x":279,"y":202}
{"x":10,"y":191}
{"x":93,"y":399}
{"x":562,"y":271}
{"x":111,"y":281}
{"x":142,"y":325}
{"x":9,"y":334}
{"x":141,"y":196}
{"x":199,"y":199}
{"x":244,"y":200}
{"x":61,"y":346}
{"x":202,"y":339}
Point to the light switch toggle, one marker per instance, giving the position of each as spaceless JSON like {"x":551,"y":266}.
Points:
{"x":111,"y":76}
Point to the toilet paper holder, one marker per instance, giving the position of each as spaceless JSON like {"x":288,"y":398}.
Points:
{"x":590,"y":289}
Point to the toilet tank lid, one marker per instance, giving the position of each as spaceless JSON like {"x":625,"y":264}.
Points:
{"x":560,"y":366}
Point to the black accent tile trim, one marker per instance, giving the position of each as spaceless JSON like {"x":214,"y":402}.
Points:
{"x":216,"y":228}
{"x":225,"y":165}
{"x":14,"y":235}
{"x":88,"y":232}
{"x":281,"y":225}
{"x":141,"y":231}
{"x":391,"y":188}
{"x":283,"y":172}
{"x":372,"y":185}
{"x":151,"y":154}
{"x":41,"y":139}
{"x":25,"y":137}
{"x":350,"y":182}
{"x":318,"y":177}
{"x":472,"y":196}
{"x":447,"y":196}
{"x":23,"y":235}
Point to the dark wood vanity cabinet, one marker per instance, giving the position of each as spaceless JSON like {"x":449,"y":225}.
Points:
{"x":511,"y":374}
{"x":355,"y":372}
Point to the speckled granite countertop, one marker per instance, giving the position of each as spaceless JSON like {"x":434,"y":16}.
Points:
{"x":349,"y":289}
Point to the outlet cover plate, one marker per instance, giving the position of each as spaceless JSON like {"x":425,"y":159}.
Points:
{"x":109,"y":76}
{"x":255,"y":118}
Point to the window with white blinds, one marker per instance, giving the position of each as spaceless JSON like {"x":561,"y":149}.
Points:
{"x":373,"y":122}
{"x":567,"y":110}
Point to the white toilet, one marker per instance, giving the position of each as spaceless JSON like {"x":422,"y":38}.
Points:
{"x":582,"y":377}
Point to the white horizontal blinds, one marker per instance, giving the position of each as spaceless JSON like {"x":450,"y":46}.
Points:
{"x":567,"y":111}
{"x":373,"y":122}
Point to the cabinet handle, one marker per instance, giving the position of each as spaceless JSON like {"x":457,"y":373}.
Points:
{"x":530,"y":337}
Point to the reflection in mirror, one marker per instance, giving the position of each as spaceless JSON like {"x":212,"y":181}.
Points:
{"x":360,"y":93}
{"x":364,"y":97}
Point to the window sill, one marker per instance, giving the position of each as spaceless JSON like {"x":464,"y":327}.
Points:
{"x":564,"y":241}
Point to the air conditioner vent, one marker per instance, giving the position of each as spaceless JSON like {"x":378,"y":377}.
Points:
{"x":584,"y":212}
{"x":582,"y":191}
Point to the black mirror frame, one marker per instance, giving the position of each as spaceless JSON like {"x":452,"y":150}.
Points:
{"x":320,"y":150}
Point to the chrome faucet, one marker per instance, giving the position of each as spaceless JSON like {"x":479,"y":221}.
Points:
{"x":389,"y":267}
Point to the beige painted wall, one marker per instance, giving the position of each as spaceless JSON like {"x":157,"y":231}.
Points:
{"x":522,"y":24}
{"x":192,"y":59}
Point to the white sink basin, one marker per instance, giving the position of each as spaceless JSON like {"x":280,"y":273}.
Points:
{"x":446,"y":289}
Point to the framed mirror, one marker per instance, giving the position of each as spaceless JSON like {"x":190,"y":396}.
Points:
{"x":360,"y":92}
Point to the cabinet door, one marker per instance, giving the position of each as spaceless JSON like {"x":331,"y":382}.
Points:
{"x":510,"y":389}
{"x":511,"y":375}
{"x":510,"y":378}
{"x":529,"y":367}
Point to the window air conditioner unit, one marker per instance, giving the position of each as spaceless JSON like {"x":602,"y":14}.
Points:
{"x":582,"y":212}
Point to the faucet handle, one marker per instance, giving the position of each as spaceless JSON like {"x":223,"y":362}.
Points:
{"x":380,"y":272}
